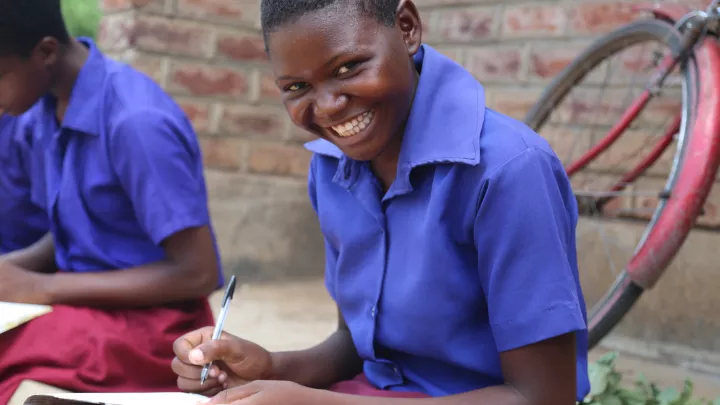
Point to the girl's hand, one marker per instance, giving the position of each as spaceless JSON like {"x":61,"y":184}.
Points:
{"x":269,"y":393}
{"x":235,"y":362}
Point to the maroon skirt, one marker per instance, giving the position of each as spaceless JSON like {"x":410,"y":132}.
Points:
{"x":361,"y":386}
{"x":96,"y":350}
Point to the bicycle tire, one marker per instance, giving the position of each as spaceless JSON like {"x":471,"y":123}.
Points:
{"x":623,"y":293}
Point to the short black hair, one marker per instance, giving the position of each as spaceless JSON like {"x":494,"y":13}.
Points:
{"x":274,"y":13}
{"x":24,"y":23}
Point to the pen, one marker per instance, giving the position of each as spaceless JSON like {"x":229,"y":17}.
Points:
{"x":229,"y":292}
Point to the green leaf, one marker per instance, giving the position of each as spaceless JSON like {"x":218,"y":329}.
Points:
{"x":598,"y":374}
{"x":668,"y":396}
{"x":686,"y":394}
{"x":607,"y":359}
{"x":610,"y":400}
{"x":613,"y":379}
{"x":631,"y":397}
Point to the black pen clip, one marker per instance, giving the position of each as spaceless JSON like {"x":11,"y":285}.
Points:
{"x":230,"y":291}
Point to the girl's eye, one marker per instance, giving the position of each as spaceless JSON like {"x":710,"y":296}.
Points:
{"x":346,"y":68}
{"x":295,"y":87}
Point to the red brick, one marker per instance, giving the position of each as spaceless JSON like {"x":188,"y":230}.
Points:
{"x":278,"y":159}
{"x":426,"y":20}
{"x":512,"y":102}
{"x":227,"y":11}
{"x":622,"y":156}
{"x":156,"y":6}
{"x":601,"y":17}
{"x":494,"y":64}
{"x":559,"y":137}
{"x":158,"y":34}
{"x":206,"y":80}
{"x":116,"y":31}
{"x":254,"y":122}
{"x":638,"y":62}
{"x":453,"y":53}
{"x":153,"y":66}
{"x":222,"y":153}
{"x":110,"y":6}
{"x":430,"y":3}
{"x":526,"y":20}
{"x":659,"y":111}
{"x":298,"y":134}
{"x":548,"y":61}
{"x":198,"y":112}
{"x":462,"y":25}
{"x":585,"y":105}
{"x":241,"y":46}
{"x":267,"y":89}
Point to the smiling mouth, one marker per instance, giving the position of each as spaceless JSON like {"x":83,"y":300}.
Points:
{"x":354,"y":126}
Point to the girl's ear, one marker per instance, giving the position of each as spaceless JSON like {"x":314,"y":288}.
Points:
{"x":407,"y":19}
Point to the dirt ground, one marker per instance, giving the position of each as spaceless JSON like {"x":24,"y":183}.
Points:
{"x":300,"y":314}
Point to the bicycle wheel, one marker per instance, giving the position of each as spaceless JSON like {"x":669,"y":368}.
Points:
{"x":617,"y":299}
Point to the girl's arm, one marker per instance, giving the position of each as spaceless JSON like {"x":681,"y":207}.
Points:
{"x":190,"y":271}
{"x":539,"y":374}
{"x":157,"y":161}
{"x":333,"y":360}
{"x":38,"y":257}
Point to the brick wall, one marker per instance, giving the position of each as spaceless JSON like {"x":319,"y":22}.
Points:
{"x":209,"y":55}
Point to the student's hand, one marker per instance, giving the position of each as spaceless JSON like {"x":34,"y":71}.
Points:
{"x":236,"y":362}
{"x":22,"y":286}
{"x":270,"y":393}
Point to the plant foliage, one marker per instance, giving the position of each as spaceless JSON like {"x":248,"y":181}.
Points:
{"x":82,"y":17}
{"x":607,"y":389}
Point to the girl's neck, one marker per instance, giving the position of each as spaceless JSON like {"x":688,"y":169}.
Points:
{"x":73,"y":59}
{"x":385,"y":166}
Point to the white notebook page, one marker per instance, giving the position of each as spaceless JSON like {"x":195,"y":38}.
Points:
{"x":156,"y":398}
{"x":13,"y":315}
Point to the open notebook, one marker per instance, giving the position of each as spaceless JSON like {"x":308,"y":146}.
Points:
{"x":13,"y":315}
{"x":159,"y":398}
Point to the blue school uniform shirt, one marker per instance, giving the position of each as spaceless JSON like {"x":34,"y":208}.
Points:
{"x":122,"y":173}
{"x":471,"y":252}
{"x":22,"y":222}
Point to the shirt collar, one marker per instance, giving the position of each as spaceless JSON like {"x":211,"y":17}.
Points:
{"x":5,"y":119}
{"x":445,"y":120}
{"x":6,"y":135}
{"x":83,"y":113}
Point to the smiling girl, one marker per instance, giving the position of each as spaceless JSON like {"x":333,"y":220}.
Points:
{"x":449,"y":230}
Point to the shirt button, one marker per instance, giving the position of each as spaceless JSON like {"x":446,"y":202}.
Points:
{"x":373,"y":312}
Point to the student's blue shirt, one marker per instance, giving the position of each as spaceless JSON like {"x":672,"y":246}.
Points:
{"x":471,"y":252}
{"x":22,"y":222}
{"x":123,"y":172}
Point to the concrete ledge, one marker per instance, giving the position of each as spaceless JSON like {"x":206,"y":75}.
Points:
{"x":265,"y":226}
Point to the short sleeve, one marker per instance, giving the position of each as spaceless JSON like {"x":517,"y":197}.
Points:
{"x":158,"y":163}
{"x":525,"y":238}
{"x":331,"y":253}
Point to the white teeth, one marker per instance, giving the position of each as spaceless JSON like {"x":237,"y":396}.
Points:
{"x":354,"y":126}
